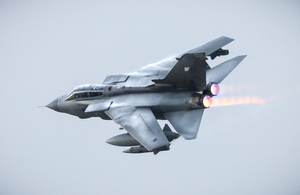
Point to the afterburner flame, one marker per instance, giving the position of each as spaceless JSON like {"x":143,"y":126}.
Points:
{"x":207,"y":101}
{"x":214,"y":89}
{"x":237,"y":101}
{"x":240,"y":87}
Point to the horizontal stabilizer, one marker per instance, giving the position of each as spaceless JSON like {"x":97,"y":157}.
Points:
{"x":220,"y":72}
{"x":186,"y":123}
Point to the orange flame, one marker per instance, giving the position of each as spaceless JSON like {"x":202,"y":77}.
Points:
{"x":239,"y":87}
{"x":237,"y":101}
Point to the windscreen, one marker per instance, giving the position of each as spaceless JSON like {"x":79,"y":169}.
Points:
{"x":85,"y":91}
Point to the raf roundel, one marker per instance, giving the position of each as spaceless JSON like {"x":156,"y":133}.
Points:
{"x":155,"y":140}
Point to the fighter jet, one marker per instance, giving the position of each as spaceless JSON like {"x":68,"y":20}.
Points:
{"x":176,"y":89}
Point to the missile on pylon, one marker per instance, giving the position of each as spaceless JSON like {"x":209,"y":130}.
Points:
{"x":142,"y":149}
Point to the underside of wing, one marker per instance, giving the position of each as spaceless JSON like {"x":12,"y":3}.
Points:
{"x":186,"y":123}
{"x":141,"y":124}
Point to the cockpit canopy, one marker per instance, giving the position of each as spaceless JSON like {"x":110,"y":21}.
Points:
{"x":86,"y":91}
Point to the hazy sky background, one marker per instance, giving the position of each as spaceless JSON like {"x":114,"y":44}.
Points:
{"x":49,"y":47}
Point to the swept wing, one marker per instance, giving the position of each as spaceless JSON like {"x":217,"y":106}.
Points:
{"x":190,"y":64}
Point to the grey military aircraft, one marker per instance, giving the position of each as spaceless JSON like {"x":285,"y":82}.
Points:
{"x":176,"y":89}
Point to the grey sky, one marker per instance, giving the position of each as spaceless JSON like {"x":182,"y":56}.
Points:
{"x":48,"y":48}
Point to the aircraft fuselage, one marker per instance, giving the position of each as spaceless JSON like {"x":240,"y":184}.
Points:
{"x":161,"y":100}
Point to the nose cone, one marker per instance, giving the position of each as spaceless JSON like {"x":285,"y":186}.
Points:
{"x":54,"y":105}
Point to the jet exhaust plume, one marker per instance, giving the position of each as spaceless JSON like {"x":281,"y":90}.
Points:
{"x":240,"y":88}
{"x":237,"y":101}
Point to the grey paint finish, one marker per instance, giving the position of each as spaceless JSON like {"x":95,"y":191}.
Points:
{"x":176,"y":89}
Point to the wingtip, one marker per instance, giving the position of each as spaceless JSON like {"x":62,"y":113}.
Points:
{"x":228,"y":38}
{"x":242,"y":57}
